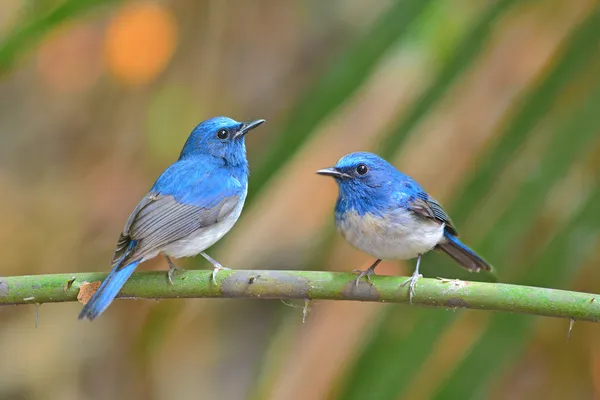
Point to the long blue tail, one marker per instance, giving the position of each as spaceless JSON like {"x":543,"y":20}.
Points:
{"x":107,"y":292}
{"x":462,"y":254}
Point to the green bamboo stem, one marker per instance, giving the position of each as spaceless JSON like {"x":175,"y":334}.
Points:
{"x":312,"y":285}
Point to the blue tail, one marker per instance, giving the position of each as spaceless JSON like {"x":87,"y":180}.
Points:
{"x":462,"y":254}
{"x":107,"y":292}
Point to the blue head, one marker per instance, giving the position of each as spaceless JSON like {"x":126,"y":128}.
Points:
{"x":221,"y":138}
{"x":368,"y":183}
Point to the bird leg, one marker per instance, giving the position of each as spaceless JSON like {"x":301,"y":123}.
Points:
{"x":412,"y":281}
{"x":172,"y":269}
{"x":218,"y":267}
{"x":368,"y":272}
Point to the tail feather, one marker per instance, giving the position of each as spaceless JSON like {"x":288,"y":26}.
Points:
{"x":463,"y":255}
{"x":107,"y":291}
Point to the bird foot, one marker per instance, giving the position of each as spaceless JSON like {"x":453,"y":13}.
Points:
{"x":366,"y":273}
{"x":170,"y":274}
{"x":412,"y":283}
{"x":215,"y":263}
{"x":217,"y":268}
{"x":172,"y":269}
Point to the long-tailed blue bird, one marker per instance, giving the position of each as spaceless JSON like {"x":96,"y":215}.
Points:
{"x":388,"y":215}
{"x":192,"y":205}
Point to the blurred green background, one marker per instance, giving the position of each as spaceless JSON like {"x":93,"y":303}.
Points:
{"x":494,"y":106}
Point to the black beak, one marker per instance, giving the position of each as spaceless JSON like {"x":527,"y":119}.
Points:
{"x":333,"y":173}
{"x":247,"y":127}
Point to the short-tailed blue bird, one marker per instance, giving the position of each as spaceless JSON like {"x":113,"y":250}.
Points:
{"x":192,"y":205}
{"x":388,"y":215}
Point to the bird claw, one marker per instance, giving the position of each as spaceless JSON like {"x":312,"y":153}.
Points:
{"x":172,"y":269}
{"x":217,"y":269}
{"x":412,"y":283}
{"x":170,"y":274}
{"x":366,"y":273}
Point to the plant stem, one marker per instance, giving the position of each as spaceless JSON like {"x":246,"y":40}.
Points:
{"x":311,"y":285}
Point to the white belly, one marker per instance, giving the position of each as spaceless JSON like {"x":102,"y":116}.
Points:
{"x":204,"y":238}
{"x":400,"y":235}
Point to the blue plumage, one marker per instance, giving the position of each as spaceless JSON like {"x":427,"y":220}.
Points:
{"x":388,"y":215}
{"x":107,"y":291}
{"x":202,"y":187}
{"x":192,"y":205}
{"x":462,"y":254}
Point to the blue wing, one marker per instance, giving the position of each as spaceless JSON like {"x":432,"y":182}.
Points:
{"x":185,"y":198}
{"x":428,"y":207}
{"x":413,"y":197}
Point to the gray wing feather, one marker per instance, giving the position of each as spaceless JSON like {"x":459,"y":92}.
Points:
{"x":428,"y":207}
{"x":159,"y":220}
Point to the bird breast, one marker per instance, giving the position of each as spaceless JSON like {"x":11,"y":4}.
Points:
{"x":203,"y":238}
{"x":397,"y":235}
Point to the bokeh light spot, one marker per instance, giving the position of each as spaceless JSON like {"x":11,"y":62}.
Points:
{"x":68,"y":60}
{"x":140,"y":41}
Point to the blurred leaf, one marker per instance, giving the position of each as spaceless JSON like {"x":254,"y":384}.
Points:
{"x":564,"y":149}
{"x":470,"y":47}
{"x":390,"y":358}
{"x":336,"y":85}
{"x":385,"y":353}
{"x":577,"y":51}
{"x":574,"y":55}
{"x":506,"y":336}
{"x":442,"y":25}
{"x":28,"y":34}
{"x":158,"y":321}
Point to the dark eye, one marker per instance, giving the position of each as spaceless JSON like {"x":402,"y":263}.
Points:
{"x":362,"y":169}
{"x":223,"y":134}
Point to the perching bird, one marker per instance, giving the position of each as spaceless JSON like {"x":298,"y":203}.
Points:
{"x":192,"y":205}
{"x":388,"y":215}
